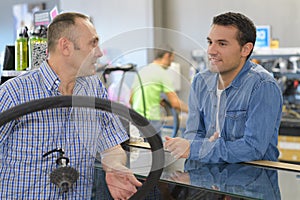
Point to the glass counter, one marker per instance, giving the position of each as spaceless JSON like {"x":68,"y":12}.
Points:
{"x":183,"y":179}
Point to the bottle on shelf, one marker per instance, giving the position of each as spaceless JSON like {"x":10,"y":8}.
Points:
{"x":37,"y":47}
{"x":21,"y":50}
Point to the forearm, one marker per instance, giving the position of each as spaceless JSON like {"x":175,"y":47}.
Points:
{"x":113,"y":158}
{"x":183,"y":107}
{"x":217,"y":151}
{"x":177,"y":103}
{"x":119,"y":179}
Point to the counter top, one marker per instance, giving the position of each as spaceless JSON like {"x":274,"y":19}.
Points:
{"x":251,"y":180}
{"x":11,"y":73}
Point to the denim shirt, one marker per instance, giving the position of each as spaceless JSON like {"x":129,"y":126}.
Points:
{"x":249,"y":117}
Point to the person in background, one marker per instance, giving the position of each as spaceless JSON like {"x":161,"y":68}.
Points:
{"x":146,"y":98}
{"x":235,"y":106}
{"x":69,"y":70}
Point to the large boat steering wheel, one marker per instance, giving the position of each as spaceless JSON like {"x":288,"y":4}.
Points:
{"x":106,"y":105}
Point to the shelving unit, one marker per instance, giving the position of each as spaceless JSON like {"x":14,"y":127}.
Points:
{"x":7,"y":74}
{"x":268,"y":53}
{"x":11,"y":73}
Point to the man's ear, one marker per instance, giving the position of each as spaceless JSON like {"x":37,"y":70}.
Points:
{"x":247,"y":48}
{"x":64,"y":46}
{"x":166,"y":55}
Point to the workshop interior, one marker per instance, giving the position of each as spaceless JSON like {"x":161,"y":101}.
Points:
{"x":129,"y":31}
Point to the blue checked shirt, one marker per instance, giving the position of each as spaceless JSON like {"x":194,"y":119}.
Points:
{"x":249,"y":117}
{"x":81,"y":132}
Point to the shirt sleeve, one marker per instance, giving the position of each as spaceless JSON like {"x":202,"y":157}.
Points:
{"x":111,"y":129}
{"x":195,"y":127}
{"x":6,"y":128}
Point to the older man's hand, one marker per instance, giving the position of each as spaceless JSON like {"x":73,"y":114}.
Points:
{"x":121,"y":183}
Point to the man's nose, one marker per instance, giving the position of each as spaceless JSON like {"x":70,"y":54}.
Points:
{"x":212,"y":49}
{"x":98,"y":52}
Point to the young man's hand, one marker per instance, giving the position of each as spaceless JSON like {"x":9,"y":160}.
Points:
{"x":179,"y":147}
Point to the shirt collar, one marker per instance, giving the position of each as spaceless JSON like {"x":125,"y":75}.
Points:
{"x":212,"y":80}
{"x":237,"y":81}
{"x":51,"y":80}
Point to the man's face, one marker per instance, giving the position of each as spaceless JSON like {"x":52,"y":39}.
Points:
{"x":224,"y":52}
{"x":86,"y":49}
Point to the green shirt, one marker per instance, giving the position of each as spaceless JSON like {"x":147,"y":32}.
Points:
{"x":155,"y":81}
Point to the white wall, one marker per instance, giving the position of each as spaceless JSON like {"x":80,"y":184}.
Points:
{"x":193,"y":17}
{"x":123,"y":27}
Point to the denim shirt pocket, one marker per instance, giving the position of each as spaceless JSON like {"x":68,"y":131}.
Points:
{"x":234,"y":125}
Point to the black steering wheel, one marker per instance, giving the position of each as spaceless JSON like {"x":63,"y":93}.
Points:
{"x":106,"y":105}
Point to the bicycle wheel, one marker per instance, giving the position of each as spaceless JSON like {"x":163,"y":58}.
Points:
{"x":91,"y":102}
